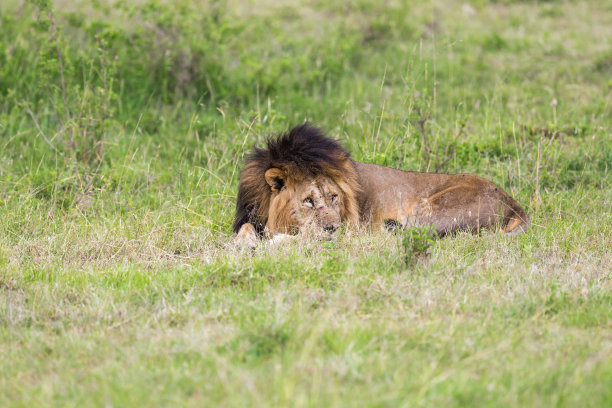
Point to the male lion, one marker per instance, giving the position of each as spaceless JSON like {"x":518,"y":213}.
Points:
{"x":306,"y":182}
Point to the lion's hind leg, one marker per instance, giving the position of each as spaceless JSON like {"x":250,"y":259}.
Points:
{"x":516,"y":220}
{"x":463,"y":207}
{"x":515,"y":226}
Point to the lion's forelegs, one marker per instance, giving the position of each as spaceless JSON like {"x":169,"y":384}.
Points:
{"x":246,"y":237}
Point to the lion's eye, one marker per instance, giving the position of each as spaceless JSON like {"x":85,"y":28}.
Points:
{"x":308,"y":202}
{"x":334,"y":198}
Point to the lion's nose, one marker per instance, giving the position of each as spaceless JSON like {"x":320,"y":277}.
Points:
{"x":329,"y":228}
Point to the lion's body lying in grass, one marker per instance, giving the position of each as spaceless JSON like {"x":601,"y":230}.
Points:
{"x":305,"y":182}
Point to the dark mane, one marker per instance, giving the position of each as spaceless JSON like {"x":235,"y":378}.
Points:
{"x":302,"y":152}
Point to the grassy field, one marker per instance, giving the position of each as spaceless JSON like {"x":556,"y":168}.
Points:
{"x":123,"y":127}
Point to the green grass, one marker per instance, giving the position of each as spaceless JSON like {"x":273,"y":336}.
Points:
{"x":123,"y":127}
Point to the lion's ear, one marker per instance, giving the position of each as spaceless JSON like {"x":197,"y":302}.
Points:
{"x":275,"y":179}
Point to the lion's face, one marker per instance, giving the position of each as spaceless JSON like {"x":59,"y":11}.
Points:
{"x":302,"y":182}
{"x":309,"y":206}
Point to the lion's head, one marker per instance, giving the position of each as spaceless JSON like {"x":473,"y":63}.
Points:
{"x":303,"y":180}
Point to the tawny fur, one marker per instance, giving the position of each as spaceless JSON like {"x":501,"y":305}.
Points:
{"x":279,"y":183}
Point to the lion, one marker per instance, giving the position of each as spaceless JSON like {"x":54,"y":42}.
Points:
{"x":304,"y":182}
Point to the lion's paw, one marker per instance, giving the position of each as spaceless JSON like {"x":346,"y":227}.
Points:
{"x":246,"y":237}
